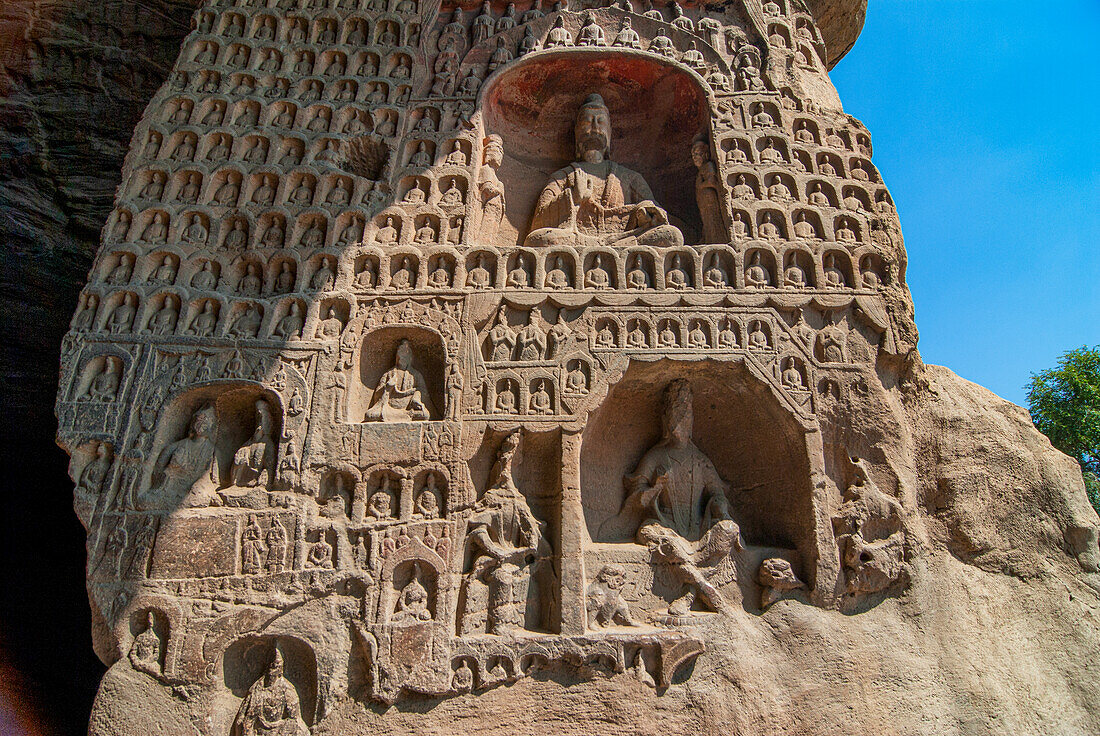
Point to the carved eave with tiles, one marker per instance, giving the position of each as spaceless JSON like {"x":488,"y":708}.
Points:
{"x":350,"y":423}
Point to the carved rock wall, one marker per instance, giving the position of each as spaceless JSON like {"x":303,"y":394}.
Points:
{"x":340,"y":390}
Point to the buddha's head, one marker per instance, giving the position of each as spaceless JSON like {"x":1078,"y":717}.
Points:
{"x":592,"y":130}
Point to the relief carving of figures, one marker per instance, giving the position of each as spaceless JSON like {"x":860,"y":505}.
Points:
{"x":145,"y":653}
{"x":254,"y":462}
{"x":402,"y":393}
{"x":708,"y":193}
{"x":506,"y":550}
{"x":681,"y":500}
{"x":596,"y":201}
{"x":186,"y":473}
{"x":491,"y":189}
{"x":604,"y":599}
{"x":271,"y":707}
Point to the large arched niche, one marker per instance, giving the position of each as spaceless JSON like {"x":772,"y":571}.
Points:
{"x":657,"y":111}
{"x":378,"y":355}
{"x":755,"y":442}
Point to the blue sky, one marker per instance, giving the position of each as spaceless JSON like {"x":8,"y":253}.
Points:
{"x":985,"y":118}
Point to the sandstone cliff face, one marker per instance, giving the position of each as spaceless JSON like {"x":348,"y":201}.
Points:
{"x":995,"y":632}
{"x":74,"y":79}
{"x":998,"y":632}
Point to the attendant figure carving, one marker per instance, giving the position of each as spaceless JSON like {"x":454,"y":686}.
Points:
{"x":595,"y":201}
{"x":506,"y":545}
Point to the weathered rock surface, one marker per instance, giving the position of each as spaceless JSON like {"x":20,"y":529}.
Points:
{"x":975,"y":610}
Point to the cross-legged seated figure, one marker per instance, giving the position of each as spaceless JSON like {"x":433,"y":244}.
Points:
{"x":681,"y":499}
{"x":402,"y":394}
{"x":594,"y":201}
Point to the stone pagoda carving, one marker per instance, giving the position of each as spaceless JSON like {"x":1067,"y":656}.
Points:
{"x":434,"y":350}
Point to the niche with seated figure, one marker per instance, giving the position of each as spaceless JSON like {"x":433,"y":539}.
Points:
{"x":702,"y":462}
{"x":212,"y":439}
{"x":270,"y":684}
{"x":653,"y":111}
{"x":401,"y":372}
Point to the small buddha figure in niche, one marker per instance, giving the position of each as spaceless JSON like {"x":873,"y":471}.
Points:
{"x":778,"y":191}
{"x":595,"y":201}
{"x":248,"y":324}
{"x":402,"y":393}
{"x":792,"y":377}
{"x":817,"y":196}
{"x":708,"y":193}
{"x":845,"y":233}
{"x":736,"y":154}
{"x":627,"y":38}
{"x":185,"y":473}
{"x":756,"y":275}
{"x":457,"y":157}
{"x":253,"y":462}
{"x":794,"y":277}
{"x":501,"y":55}
{"x":122,"y":272}
{"x":387,"y":234}
{"x":697,"y":337}
{"x":556,"y":277}
{"x":637,"y":278}
{"x":681,"y":500}
{"x":145,"y":651}
{"x":271,"y":707}
{"x":479,"y":277}
{"x":506,"y":400}
{"x":204,"y":323}
{"x":742,"y":189}
{"x":330,"y":327}
{"x":576,"y":382}
{"x":164,"y":321}
{"x":596,"y":277}
{"x":727,"y":338}
{"x":421,"y":158}
{"x":380,"y":505}
{"x":95,"y":472}
{"x":196,"y":233}
{"x":427,"y":502}
{"x":758,"y":339}
{"x":803,"y":228}
{"x":715,"y":276}
{"x":768,"y":228}
{"x":403,"y":277}
{"x":740,"y":229}
{"x":505,"y":543}
{"x":676,"y":277}
{"x":290,"y":326}
{"x":412,"y":603}
{"x":868,"y":273}
{"x":440,"y":277}
{"x":605,"y":338}
{"x":636,"y":337}
{"x":539,"y":402}
{"x":518,"y":277}
{"x":834,"y":277}
{"x":666,"y":337}
{"x":415,"y":195}
{"x":425,"y":234}
{"x":452,"y":197}
{"x":104,"y":386}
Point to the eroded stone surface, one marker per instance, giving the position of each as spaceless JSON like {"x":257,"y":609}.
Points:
{"x":530,"y":368}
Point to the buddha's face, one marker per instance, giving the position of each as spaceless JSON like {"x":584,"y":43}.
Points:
{"x":593,"y":133}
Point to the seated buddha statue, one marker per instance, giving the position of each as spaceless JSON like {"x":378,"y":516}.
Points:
{"x":594,"y":201}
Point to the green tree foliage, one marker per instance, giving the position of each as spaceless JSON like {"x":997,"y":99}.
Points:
{"x":1065,"y":405}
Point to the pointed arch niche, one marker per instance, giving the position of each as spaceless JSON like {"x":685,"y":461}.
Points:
{"x":657,"y":109}
{"x":766,"y":453}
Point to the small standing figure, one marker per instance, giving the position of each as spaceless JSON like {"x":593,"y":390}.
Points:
{"x":604,"y":599}
{"x":708,"y":195}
